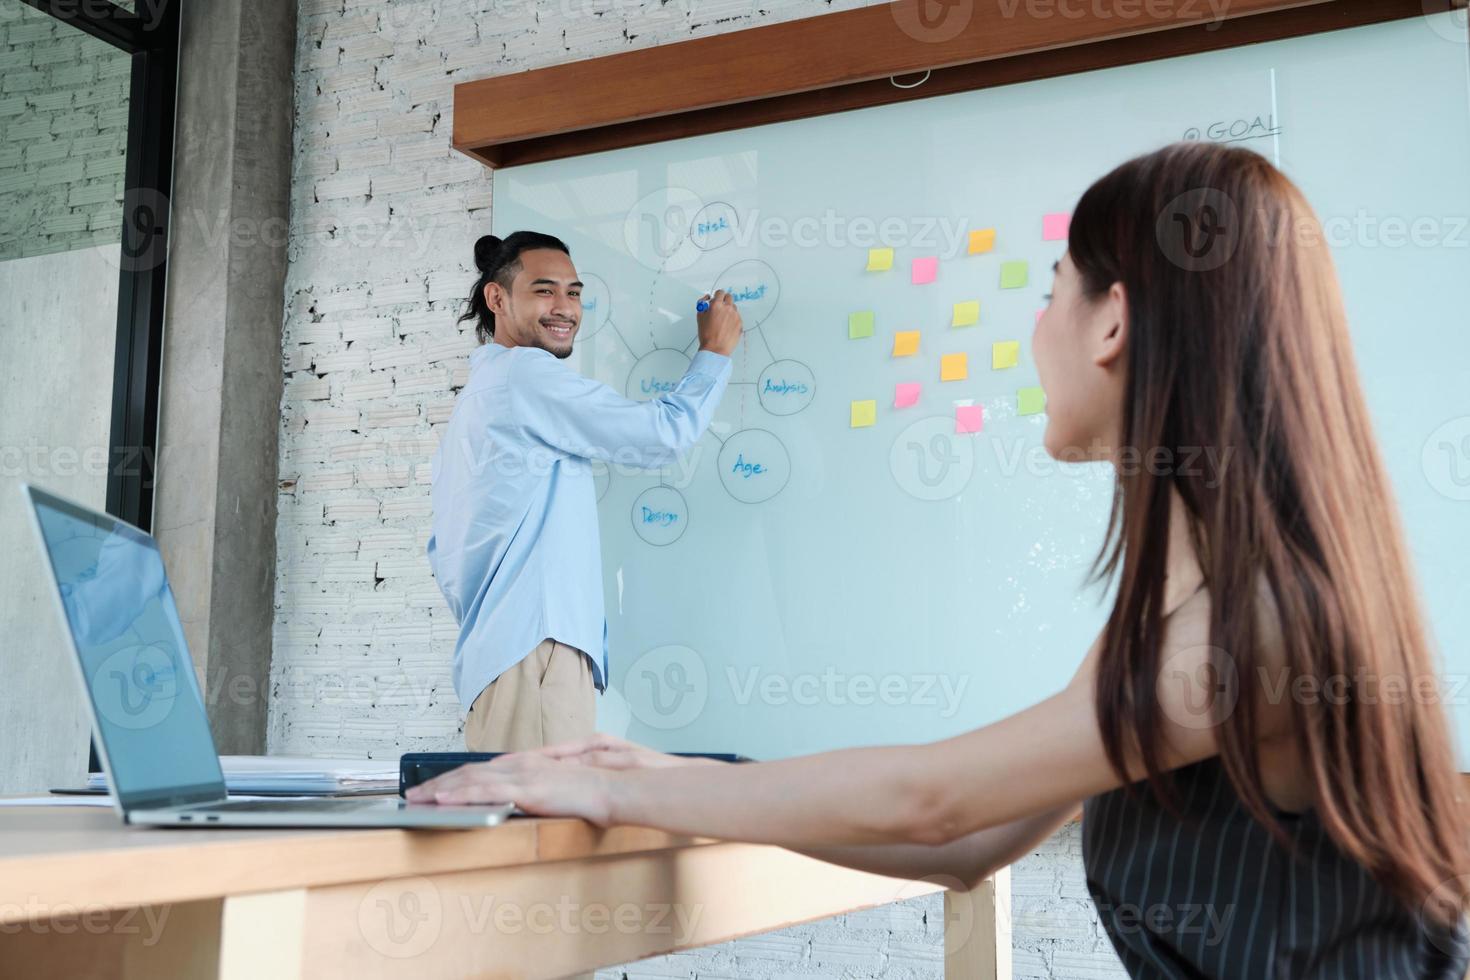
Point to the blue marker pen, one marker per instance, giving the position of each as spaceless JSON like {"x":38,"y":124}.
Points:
{"x":701,"y":306}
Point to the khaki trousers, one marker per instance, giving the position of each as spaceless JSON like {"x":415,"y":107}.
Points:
{"x":545,"y":699}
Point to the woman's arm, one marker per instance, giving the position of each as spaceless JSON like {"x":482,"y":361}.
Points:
{"x":969,"y":860}
{"x":965,"y":862}
{"x":1041,"y":759}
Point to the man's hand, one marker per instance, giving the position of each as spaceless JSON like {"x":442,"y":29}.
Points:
{"x":719,"y":326}
{"x":610,"y":752}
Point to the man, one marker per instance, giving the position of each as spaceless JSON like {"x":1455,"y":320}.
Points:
{"x":514,"y":544}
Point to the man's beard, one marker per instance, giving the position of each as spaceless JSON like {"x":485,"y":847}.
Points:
{"x":551,"y":345}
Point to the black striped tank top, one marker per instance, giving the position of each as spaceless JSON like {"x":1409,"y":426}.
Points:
{"x":1216,"y":897}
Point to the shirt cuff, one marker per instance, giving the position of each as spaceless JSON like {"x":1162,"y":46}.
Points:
{"x":709,"y":364}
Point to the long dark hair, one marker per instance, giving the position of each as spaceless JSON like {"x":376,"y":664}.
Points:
{"x":1248,"y":349}
{"x":499,"y":259}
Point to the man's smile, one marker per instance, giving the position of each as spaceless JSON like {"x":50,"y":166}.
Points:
{"x":560,"y":329}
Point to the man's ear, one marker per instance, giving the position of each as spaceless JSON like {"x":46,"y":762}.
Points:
{"x":495,"y":298}
{"x":1112,"y":339}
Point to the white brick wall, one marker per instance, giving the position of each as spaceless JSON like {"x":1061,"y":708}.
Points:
{"x":383,"y":220}
{"x":63,"y":135}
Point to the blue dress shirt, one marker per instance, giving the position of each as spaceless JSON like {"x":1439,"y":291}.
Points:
{"x":514,"y":543}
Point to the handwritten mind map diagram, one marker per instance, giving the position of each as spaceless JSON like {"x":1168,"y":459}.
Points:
{"x":934,"y":333}
{"x":690,"y":255}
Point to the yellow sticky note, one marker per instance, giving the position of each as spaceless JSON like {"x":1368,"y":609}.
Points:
{"x":982,"y":240}
{"x":905,"y":343}
{"x":954,"y":367}
{"x":880,"y":259}
{"x":1004,"y":354}
{"x":864,"y":413}
{"x":1030,"y":401}
{"x":966,"y":314}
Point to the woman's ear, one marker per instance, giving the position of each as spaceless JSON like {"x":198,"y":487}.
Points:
{"x":1112,"y":339}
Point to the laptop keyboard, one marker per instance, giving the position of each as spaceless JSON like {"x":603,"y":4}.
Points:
{"x":293,"y":806}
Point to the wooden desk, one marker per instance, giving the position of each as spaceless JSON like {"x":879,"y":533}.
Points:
{"x":83,"y":896}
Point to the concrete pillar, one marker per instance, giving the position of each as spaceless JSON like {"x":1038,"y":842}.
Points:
{"x":215,"y":504}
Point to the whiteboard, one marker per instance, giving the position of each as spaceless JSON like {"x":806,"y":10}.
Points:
{"x":796,"y":583}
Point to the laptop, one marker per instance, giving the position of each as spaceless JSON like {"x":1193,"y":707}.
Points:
{"x":152,"y":732}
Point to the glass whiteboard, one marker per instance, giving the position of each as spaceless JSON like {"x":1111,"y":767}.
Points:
{"x":836,"y":564}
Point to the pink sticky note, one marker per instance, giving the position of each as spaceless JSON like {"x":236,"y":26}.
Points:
{"x":969,"y":418}
{"x":1038,"y":315}
{"x":924,"y":270}
{"x":1054,"y":227}
{"x":906,"y":394}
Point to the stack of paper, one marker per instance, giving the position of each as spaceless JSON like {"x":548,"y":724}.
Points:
{"x":298,"y":775}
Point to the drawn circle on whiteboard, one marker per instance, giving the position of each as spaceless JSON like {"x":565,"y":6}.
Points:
{"x":660,"y":515}
{"x":755,"y":288}
{"x":656,"y":229}
{"x":786,"y":387}
{"x":928,"y":462}
{"x":667,"y":687}
{"x":754,"y":466}
{"x":601,"y":478}
{"x":656,"y":373}
{"x":713,"y":226}
{"x":596,"y":304}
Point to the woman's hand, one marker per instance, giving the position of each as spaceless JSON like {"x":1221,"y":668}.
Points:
{"x":539,"y":785}
{"x":610,"y":752}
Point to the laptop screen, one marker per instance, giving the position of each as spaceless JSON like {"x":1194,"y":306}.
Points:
{"x":150,"y":718}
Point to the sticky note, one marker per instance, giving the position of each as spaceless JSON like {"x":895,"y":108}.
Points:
{"x":924,"y":270}
{"x":1012,"y":274}
{"x":864,"y":413}
{"x":982,"y":240}
{"x":905,"y":343}
{"x":1030,"y":401}
{"x":966,"y":314}
{"x":1038,"y":315}
{"x":906,"y":393}
{"x":860,"y":325}
{"x":880,"y":259}
{"x":954,"y":367}
{"x":1054,"y":227}
{"x":969,"y":418}
{"x":1004,"y":354}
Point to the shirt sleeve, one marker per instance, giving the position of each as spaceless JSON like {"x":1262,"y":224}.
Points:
{"x":586,"y":418}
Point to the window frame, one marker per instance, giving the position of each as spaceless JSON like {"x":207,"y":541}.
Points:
{"x":153,"y":44}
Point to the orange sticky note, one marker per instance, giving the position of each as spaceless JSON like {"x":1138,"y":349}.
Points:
{"x":954,"y":367}
{"x":906,"y":394}
{"x":864,"y":413}
{"x":969,"y":418}
{"x":982,"y":240}
{"x":906,"y":343}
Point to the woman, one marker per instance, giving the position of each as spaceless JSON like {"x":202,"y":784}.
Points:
{"x":1232,"y":738}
